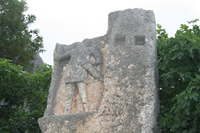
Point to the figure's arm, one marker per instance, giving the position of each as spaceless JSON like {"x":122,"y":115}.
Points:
{"x":94,"y":72}
{"x":64,"y":56}
{"x":97,"y":55}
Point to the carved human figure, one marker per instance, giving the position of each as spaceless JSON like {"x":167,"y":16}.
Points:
{"x":79,"y":64}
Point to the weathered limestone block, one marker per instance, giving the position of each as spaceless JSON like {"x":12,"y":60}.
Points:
{"x":119,"y":75}
{"x":130,"y":102}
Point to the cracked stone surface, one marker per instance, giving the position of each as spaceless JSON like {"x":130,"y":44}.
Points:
{"x":120,"y":79}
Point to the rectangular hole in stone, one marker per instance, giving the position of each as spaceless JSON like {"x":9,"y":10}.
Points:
{"x":120,"y":40}
{"x":139,"y":40}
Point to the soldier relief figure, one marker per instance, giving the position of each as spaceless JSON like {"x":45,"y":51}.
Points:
{"x":79,"y":66}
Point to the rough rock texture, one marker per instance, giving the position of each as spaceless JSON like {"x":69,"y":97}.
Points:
{"x":64,"y":123}
{"x":58,"y":90}
{"x":130,"y":102}
{"x":126,"y":101}
{"x":37,"y":62}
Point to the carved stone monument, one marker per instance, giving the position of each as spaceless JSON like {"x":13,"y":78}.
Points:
{"x":106,"y":84}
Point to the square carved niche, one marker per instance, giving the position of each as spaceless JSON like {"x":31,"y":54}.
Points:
{"x":139,"y":40}
{"x":120,"y":40}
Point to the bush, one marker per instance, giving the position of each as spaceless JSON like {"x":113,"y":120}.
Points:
{"x":23,"y":97}
{"x":179,"y":79}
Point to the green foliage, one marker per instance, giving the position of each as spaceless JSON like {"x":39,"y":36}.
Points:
{"x":17,"y":43}
{"x":179,"y":79}
{"x":23,"y":97}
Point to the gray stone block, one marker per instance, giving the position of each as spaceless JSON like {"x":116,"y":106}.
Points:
{"x":123,"y":98}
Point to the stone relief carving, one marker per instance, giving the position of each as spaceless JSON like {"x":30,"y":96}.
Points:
{"x":112,"y":79}
{"x":80,"y":63}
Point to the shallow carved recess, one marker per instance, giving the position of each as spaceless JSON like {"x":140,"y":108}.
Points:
{"x":77,"y":83}
{"x":109,"y":83}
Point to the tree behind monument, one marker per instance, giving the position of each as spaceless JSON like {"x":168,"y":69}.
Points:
{"x":17,"y":42}
{"x":179,"y":78}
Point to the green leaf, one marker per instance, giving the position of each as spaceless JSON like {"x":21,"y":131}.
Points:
{"x":179,"y":78}
{"x":23,"y":99}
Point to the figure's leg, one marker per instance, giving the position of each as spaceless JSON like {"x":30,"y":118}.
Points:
{"x":70,"y":93}
{"x":81,"y":88}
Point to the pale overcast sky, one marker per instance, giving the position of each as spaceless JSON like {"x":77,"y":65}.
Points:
{"x":69,"y":21}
